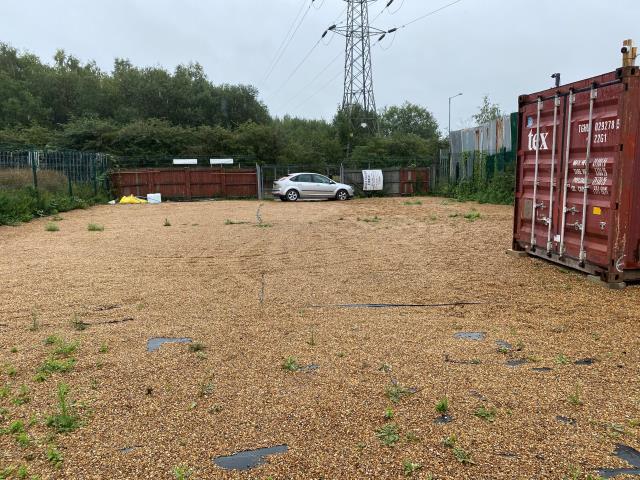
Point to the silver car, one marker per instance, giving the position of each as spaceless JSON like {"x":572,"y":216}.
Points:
{"x":310,"y":186}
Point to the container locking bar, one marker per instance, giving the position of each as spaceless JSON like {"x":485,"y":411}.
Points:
{"x":592,"y":100}
{"x":556,"y":104}
{"x":572,"y":100}
{"x":535,"y":177}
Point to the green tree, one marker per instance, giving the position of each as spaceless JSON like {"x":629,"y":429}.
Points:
{"x":409,"y":119}
{"x":487,"y":112}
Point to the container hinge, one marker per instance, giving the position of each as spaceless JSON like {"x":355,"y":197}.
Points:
{"x":573,"y":210}
{"x":545,"y":220}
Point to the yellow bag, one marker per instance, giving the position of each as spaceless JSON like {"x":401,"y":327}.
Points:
{"x":131,"y":200}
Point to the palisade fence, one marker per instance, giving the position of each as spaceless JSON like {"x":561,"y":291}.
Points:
{"x":76,"y":174}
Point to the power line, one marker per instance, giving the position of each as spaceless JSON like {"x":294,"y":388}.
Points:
{"x":429,"y":14}
{"x":289,"y":38}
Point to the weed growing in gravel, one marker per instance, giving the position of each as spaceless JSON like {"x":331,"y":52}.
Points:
{"x":5,"y":391}
{"x":472,"y":216}
{"x":22,"y":473}
{"x":104,"y":348}
{"x":14,"y":349}
{"x":52,"y":227}
{"x":182,"y":472}
{"x":166,"y":223}
{"x":487,"y":414}
{"x":57,"y":218}
{"x":64,"y":421}
{"x":442,"y":406}
{"x":52,"y":340}
{"x":385,"y":367}
{"x":410,"y":203}
{"x":207,"y":389}
{"x":462,"y":456}
{"x":15,"y":428}
{"x":78,"y":324}
{"x":312,"y":341}
{"x":388,"y":414}
{"x":11,"y":371}
{"x":264,"y":225}
{"x":23,"y":439}
{"x":35,"y":325}
{"x":450,"y":441}
{"x":52,"y":365}
{"x":411,"y":437}
{"x":197,"y":347}
{"x":233,"y":222}
{"x":54,"y":456}
{"x":575,"y":473}
{"x":23,"y":396}
{"x":290,"y":364}
{"x":409,"y":468}
{"x":388,"y":434}
{"x":575,"y":398}
{"x":454,"y":215}
{"x":562,"y":359}
{"x":395,"y":393}
{"x":375,"y":219}
{"x":94,"y":227}
{"x":65,"y":349}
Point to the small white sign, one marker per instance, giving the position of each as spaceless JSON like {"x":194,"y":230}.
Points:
{"x":221,"y":161}
{"x":372,"y":180}
{"x":192,"y":161}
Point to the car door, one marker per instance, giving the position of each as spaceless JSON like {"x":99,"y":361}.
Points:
{"x":323,"y":186}
{"x":304,"y":184}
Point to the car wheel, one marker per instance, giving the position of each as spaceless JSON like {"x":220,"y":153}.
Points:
{"x":342,"y":195}
{"x":292,"y":196}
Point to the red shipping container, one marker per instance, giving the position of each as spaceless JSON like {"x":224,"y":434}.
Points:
{"x":577,"y":200}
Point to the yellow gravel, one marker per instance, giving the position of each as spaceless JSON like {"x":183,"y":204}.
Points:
{"x":202,"y":279}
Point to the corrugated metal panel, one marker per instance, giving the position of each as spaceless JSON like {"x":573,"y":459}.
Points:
{"x":578,"y":204}
{"x":489,"y":138}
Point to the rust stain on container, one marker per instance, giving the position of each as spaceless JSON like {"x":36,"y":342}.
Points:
{"x":578,"y":175}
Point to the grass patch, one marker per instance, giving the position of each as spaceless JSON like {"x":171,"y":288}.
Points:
{"x":290,"y":364}
{"x":54,"y":457}
{"x":575,"y":398}
{"x":182,"y":472}
{"x":486,"y":414}
{"x":234,"y":222}
{"x":409,"y":468}
{"x":562,"y":359}
{"x":264,"y":225}
{"x":375,"y":219}
{"x":388,"y":434}
{"x":410,"y":203}
{"x":442,"y":406}
{"x":52,"y":227}
{"x":197,"y":347}
{"x":462,"y":456}
{"x":64,"y":349}
{"x":94,"y":227}
{"x":53,"y":365}
{"x":395,"y":393}
{"x":64,"y":421}
{"x":78,"y":324}
{"x":472,"y":216}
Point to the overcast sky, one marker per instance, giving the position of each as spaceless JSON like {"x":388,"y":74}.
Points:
{"x":501,"y":48}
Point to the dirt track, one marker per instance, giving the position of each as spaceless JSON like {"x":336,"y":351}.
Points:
{"x":202,"y":279}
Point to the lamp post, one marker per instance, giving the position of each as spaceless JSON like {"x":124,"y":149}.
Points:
{"x":450,"y":144}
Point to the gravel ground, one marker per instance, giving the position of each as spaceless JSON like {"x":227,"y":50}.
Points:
{"x":252,"y":296}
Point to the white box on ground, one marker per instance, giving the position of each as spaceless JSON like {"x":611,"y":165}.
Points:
{"x":221,"y":161}
{"x":185,"y":161}
{"x":372,"y":180}
{"x":154,"y":198}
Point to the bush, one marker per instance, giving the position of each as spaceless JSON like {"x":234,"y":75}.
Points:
{"x":24,"y":204}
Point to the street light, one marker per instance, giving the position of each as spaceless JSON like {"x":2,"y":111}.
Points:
{"x":451,"y":144}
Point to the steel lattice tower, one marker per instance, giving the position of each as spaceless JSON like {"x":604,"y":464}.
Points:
{"x":358,"y":71}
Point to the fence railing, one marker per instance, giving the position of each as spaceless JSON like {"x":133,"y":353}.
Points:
{"x":54,"y":172}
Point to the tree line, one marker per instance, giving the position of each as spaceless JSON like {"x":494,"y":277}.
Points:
{"x":146,"y":112}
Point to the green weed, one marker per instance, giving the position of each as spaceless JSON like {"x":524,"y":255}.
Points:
{"x":388,"y":414}
{"x":78,"y":324}
{"x":54,"y":456}
{"x":375,"y":219}
{"x":472,"y":216}
{"x":410,"y":203}
{"x":395,"y":393}
{"x":562,"y":359}
{"x":52,"y":227}
{"x":52,"y":340}
{"x":23,"y":396}
{"x":11,"y":371}
{"x":65,"y":349}
{"x":35,"y":325}
{"x":22,"y":473}
{"x":182,"y":472}
{"x":233,"y":222}
{"x":57,"y":218}
{"x":409,"y":468}
{"x":450,"y":441}
{"x":197,"y":347}
{"x":64,"y":421}
{"x":462,"y":456}
{"x":94,"y":227}
{"x":53,"y":365}
{"x":575,"y":398}
{"x":486,"y":414}
{"x":23,"y":439}
{"x":5,"y":391}
{"x":442,"y":406}
{"x":290,"y":364}
{"x":388,"y":434}
{"x":103,"y":348}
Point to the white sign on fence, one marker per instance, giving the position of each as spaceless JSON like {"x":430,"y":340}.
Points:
{"x":372,"y":180}
{"x":191,"y":161}
{"x":221,"y":161}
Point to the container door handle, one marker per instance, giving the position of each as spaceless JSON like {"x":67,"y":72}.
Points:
{"x":592,"y":99}
{"x":572,"y":99}
{"x":556,"y":104}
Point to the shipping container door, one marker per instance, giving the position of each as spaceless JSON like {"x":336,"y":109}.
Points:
{"x":592,"y":151}
{"x":541,"y":126}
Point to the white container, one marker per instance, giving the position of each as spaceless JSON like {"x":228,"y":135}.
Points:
{"x":154,"y":198}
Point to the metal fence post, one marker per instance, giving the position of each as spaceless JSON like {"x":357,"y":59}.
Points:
{"x":68,"y":168}
{"x":259,"y":182}
{"x":34,"y":169}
